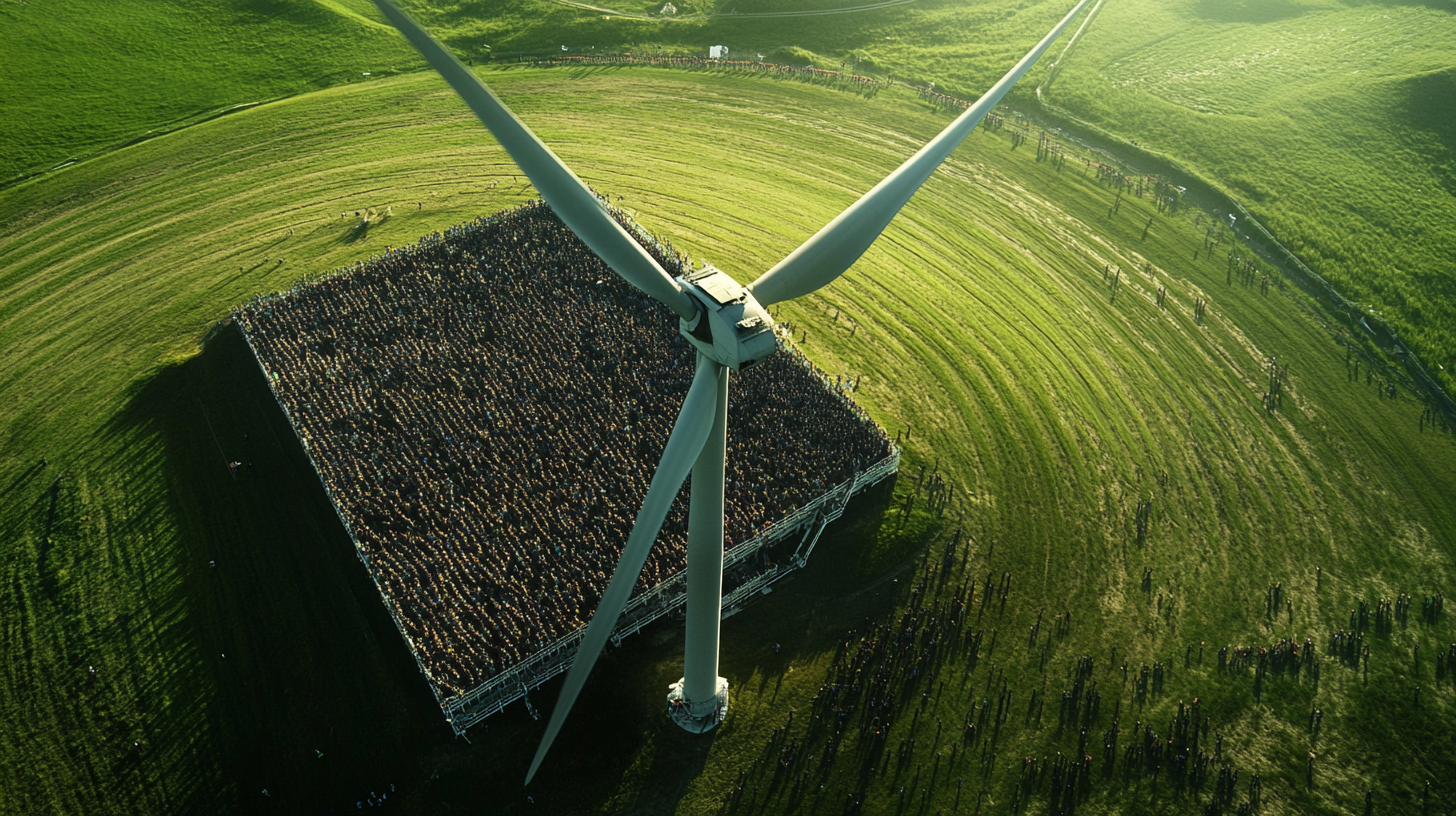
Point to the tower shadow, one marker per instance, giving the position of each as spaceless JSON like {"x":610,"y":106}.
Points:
{"x":304,"y":683}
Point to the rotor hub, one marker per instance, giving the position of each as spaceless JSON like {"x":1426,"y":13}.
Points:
{"x":731,"y":327}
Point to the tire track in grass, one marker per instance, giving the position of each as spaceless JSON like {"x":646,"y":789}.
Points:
{"x":997,"y":400}
{"x":988,"y":405}
{"x":1022,"y":246}
{"x":1038,"y":325}
{"x":1034,"y":444}
{"x":969,"y":293}
{"x":1139,"y":334}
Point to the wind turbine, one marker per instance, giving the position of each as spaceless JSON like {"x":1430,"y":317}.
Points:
{"x":731,"y":329}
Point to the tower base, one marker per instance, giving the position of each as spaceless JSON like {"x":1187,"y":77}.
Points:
{"x":701,"y":715}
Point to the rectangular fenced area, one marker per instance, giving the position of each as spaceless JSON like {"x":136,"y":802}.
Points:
{"x":485,"y":409}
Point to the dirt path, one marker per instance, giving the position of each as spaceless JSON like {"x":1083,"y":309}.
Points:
{"x":1052,"y":70}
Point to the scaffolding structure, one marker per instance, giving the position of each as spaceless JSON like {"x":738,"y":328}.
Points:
{"x":751,"y":574}
{"x":807,"y":522}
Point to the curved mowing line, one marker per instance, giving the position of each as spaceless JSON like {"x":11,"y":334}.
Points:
{"x":101,"y":284}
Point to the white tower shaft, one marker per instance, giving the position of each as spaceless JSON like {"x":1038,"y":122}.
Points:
{"x":699,"y":701}
{"x":705,"y":557}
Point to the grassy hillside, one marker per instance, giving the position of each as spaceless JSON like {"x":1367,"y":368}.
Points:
{"x":1050,"y":401}
{"x":85,"y":77}
{"x":1333,"y":122}
{"x":964,"y":47}
{"x":88,"y":78}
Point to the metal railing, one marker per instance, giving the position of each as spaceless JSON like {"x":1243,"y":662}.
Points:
{"x":359,"y":550}
{"x":492,"y":696}
{"x":469,"y":708}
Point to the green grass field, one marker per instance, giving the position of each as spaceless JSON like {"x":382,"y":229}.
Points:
{"x":1333,"y":122}
{"x":85,"y":78}
{"x":1048,"y":401}
{"x":982,"y":324}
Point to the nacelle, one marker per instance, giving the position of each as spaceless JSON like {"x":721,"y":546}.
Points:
{"x":731,"y":328}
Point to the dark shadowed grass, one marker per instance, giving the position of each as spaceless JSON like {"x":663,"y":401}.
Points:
{"x":213,"y":682}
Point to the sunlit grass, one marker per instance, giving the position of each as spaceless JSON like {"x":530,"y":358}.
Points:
{"x":1331,"y":122}
{"x":980,"y":323}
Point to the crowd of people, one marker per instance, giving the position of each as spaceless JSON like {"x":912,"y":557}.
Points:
{"x":486,"y":409}
{"x":948,"y":102}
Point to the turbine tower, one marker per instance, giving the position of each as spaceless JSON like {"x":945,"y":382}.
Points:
{"x":729,"y":326}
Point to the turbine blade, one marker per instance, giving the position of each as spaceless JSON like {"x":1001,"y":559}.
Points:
{"x":694,"y":422}
{"x":839,"y":244}
{"x":572,"y":201}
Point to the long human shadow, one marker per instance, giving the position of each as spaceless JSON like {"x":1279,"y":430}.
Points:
{"x":844,"y":584}
{"x":846,"y":561}
{"x":616,"y":732}
{"x":43,"y":551}
{"x":22,"y":478}
{"x":603,"y":735}
{"x":309,"y":689}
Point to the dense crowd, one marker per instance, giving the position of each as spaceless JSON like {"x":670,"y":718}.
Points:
{"x":486,"y":409}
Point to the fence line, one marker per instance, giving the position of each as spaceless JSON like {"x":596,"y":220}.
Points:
{"x":1312,"y":282}
{"x":469,"y":708}
{"x":805,"y":72}
{"x":492,"y":696}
